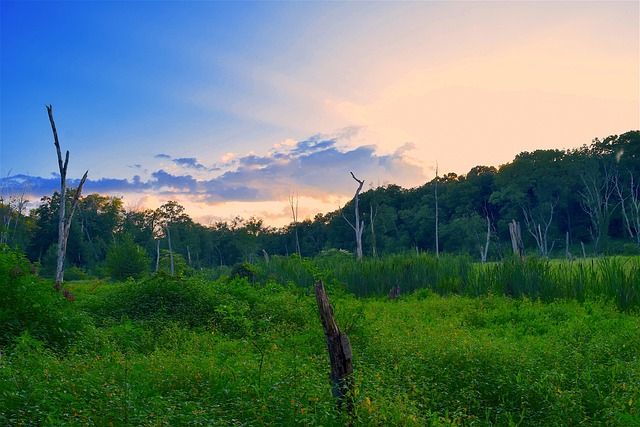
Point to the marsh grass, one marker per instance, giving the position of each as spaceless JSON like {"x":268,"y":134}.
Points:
{"x":615,"y":278}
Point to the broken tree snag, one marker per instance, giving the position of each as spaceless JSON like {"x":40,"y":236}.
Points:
{"x":339,"y":352}
{"x":359,"y":227}
{"x":64,"y":223}
{"x":516,"y":239}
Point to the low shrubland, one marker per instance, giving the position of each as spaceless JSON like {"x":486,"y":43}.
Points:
{"x":250,"y":351}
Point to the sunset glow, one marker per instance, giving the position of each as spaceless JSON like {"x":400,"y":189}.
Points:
{"x":228,"y":108}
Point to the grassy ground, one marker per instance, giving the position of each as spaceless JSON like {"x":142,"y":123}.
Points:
{"x":173,"y":352}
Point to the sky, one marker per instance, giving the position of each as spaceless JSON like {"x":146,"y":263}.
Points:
{"x":231,"y":108}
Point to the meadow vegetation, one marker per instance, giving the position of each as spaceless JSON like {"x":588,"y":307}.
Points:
{"x":529,"y":343}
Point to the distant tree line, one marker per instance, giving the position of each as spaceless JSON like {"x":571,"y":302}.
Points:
{"x":577,"y":202}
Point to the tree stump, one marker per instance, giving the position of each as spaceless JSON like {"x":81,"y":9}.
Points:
{"x":340,"y":353}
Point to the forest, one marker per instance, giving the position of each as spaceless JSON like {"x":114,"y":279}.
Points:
{"x":567,"y":203}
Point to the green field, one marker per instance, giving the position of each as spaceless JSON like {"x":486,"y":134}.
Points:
{"x":250,"y":351}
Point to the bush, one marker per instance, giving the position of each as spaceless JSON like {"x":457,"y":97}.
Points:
{"x":76,"y":273}
{"x":126,"y":259}
{"x":159,"y":297}
{"x":244,"y":270}
{"x":180,"y":266}
{"x":230,"y":306}
{"x":29,"y":304}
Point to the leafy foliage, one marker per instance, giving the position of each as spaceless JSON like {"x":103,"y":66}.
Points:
{"x":126,"y":259}
{"x":31,"y":305}
{"x":260,"y":359}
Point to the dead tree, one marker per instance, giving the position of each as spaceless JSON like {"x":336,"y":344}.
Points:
{"x":435,"y":193}
{"x":358,"y":228}
{"x":11,"y":211}
{"x":536,"y":229}
{"x":516,"y":239}
{"x":598,"y":190}
{"x":293,"y":202}
{"x":373,"y":216}
{"x":485,"y":250}
{"x":170,"y":252}
{"x":630,"y":204}
{"x":340,"y":353}
{"x":64,"y":223}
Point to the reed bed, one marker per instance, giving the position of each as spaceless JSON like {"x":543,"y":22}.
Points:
{"x":614,"y":279}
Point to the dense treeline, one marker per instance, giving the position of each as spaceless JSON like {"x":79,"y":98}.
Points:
{"x":588,"y":197}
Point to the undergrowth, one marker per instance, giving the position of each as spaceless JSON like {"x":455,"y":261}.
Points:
{"x":251,"y":352}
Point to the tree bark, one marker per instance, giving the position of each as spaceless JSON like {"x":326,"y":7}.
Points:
{"x":535,"y":229}
{"x":359,"y":227}
{"x":340,"y":353}
{"x":596,"y":194}
{"x":516,"y":239}
{"x":484,"y":251}
{"x":435,"y":192}
{"x":64,"y":223}
{"x":372,"y":217}
{"x":294,"y":214}
{"x":157,"y":255}
{"x":170,"y":252}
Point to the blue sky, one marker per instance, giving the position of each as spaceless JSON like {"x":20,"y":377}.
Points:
{"x":229,"y":107}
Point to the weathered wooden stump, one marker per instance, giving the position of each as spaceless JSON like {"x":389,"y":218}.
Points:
{"x":339,"y":352}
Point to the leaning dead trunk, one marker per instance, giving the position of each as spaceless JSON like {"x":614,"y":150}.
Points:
{"x":339,"y":352}
{"x":64,"y":223}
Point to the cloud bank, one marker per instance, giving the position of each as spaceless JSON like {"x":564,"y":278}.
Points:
{"x":318,"y":167}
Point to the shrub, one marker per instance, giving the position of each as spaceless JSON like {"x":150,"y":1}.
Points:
{"x":126,"y":259}
{"x":29,"y":304}
{"x":180,"y":266}
{"x":631,"y":249}
{"x":159,"y":297}
{"x":244,"y":270}
{"x":231,"y":307}
{"x":76,"y":273}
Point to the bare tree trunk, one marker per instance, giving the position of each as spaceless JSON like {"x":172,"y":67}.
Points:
{"x":535,"y":229}
{"x":436,"y":197}
{"x":157,"y":255}
{"x":340,"y":353}
{"x":170,"y":252}
{"x":485,"y":251}
{"x":635,"y":207}
{"x":14,"y":207}
{"x":6,"y":213}
{"x":359,"y":227}
{"x":631,"y":218}
{"x":516,"y":238}
{"x":373,"y":231}
{"x":64,"y":223}
{"x":294,"y":213}
{"x":623,"y":203}
{"x":596,"y":195}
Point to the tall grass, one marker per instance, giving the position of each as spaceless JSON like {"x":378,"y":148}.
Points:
{"x":615,"y":279}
